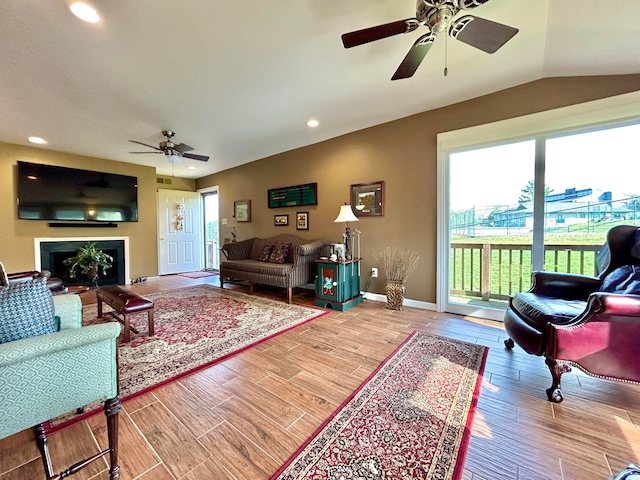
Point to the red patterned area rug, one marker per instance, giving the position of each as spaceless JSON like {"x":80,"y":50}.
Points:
{"x":194,"y":328}
{"x":411,"y":418}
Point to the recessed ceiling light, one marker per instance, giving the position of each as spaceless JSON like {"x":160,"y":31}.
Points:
{"x":312,"y":123}
{"x":191,"y":167}
{"x":38,"y":140}
{"x":84,"y":12}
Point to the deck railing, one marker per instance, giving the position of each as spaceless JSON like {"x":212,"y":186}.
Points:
{"x":493,"y":271}
{"x":212,"y":255}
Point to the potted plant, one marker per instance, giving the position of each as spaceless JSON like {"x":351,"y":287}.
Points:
{"x":397,"y":265}
{"x":88,"y":261}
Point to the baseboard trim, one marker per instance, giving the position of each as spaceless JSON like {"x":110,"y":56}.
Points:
{"x":376,"y":297}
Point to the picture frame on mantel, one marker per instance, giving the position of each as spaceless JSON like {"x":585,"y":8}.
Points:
{"x":242,"y":210}
{"x":367,"y":199}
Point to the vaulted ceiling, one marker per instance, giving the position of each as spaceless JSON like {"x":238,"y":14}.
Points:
{"x":237,"y":80}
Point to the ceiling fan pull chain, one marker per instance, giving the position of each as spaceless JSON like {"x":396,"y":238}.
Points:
{"x":446,"y":48}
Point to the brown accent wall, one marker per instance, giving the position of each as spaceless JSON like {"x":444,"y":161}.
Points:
{"x":402,"y":153}
{"x":16,"y":244}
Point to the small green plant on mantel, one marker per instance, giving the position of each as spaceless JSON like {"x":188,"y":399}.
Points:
{"x":88,"y":261}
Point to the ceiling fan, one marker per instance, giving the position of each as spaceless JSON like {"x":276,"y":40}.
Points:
{"x":438,"y":17}
{"x":173,"y":151}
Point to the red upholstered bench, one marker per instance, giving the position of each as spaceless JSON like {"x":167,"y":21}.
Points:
{"x":124,"y":302}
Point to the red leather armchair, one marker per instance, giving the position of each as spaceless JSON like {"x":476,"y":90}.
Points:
{"x":568,"y":319}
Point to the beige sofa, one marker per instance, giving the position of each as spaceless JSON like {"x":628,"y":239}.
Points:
{"x":243,"y":262}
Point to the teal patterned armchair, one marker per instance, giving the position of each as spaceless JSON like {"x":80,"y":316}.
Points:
{"x":44,"y":376}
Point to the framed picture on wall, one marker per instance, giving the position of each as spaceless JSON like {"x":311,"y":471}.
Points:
{"x":367,"y":199}
{"x":302,"y":221}
{"x":242,"y":210}
{"x":281,"y":220}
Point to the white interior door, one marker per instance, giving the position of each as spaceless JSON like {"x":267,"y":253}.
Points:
{"x":179,"y":229}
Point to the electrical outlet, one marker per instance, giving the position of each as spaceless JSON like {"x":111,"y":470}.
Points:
{"x":374,"y":272}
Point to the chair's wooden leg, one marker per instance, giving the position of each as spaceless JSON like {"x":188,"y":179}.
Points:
{"x":99,"y":307}
{"x":41,"y":441}
{"x":250,"y":288}
{"x":554,"y":393}
{"x":289,"y":295}
{"x":221,"y":281}
{"x":127,"y":329}
{"x":151,"y":323}
{"x":111,"y":409}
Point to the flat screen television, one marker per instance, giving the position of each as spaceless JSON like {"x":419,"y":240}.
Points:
{"x":47,"y":192}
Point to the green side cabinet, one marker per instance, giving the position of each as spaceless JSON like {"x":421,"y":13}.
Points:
{"x":337,"y":284}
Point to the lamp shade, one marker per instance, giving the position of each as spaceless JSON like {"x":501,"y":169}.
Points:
{"x":346,"y":214}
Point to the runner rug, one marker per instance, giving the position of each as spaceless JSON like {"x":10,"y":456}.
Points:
{"x":411,"y":419}
{"x":194,"y":328}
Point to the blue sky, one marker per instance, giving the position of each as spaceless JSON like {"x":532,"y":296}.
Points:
{"x":605,"y":160}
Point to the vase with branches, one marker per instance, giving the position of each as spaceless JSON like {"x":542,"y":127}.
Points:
{"x":397,"y":265}
{"x":88,"y":261}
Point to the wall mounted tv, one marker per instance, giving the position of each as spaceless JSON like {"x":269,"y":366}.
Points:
{"x":47,"y":192}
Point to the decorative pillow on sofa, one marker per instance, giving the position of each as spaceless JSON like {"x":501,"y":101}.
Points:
{"x":625,"y":279}
{"x":4,"y":279}
{"x":26,"y":310}
{"x":280,"y":253}
{"x":266,"y":252}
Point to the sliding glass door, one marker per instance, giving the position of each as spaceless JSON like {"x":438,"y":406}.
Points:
{"x":490,"y":233}
{"x":543,"y":202}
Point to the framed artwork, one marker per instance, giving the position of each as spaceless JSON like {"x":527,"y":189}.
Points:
{"x":281,"y":220}
{"x":242,"y":210}
{"x":295,"y":196}
{"x":302,"y":221}
{"x":367,"y":199}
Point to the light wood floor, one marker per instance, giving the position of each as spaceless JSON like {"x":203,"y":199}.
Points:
{"x":243,"y":417}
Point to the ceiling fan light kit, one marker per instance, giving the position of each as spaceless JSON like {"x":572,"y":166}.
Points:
{"x":174,"y":152}
{"x":438,"y":16}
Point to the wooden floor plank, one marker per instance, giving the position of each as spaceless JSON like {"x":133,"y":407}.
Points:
{"x":210,"y":469}
{"x":72,"y":445}
{"x":180,"y":451}
{"x":18,"y":449}
{"x":129,"y":438}
{"x":237,"y":454}
{"x":264,"y":432}
{"x":300,"y":397}
{"x":192,"y":412}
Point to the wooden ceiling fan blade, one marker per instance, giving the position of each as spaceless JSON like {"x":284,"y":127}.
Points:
{"x":182,"y":147}
{"x":414,"y":57}
{"x":481,"y":33}
{"x":194,"y":156}
{"x":379,"y":32}
{"x":144,"y":144}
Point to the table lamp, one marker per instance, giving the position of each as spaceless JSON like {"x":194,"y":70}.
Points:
{"x":346,"y":215}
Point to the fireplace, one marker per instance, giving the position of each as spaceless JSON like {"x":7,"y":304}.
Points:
{"x":51,"y":252}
